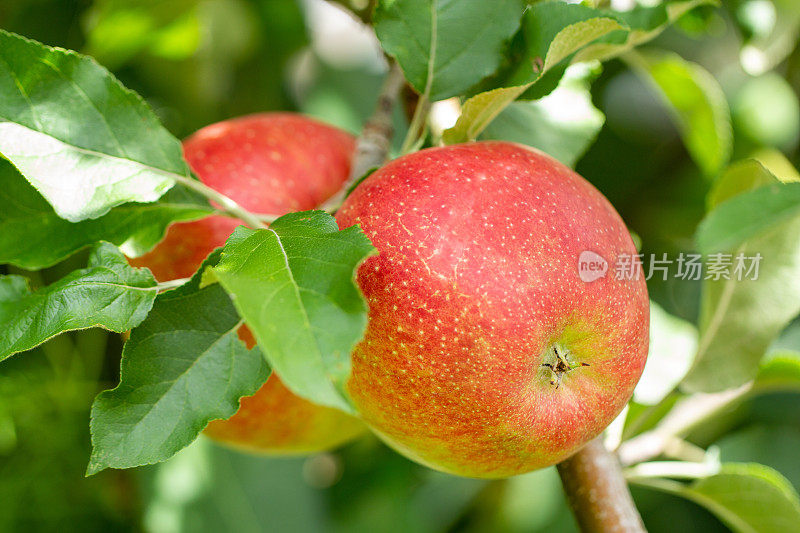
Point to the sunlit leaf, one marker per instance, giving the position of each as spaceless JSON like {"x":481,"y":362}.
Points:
{"x":82,"y":139}
{"x":294,"y":285}
{"x":562,"y":124}
{"x":739,"y":177}
{"x":780,"y":371}
{"x":479,"y":111}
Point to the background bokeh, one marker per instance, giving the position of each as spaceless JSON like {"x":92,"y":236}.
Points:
{"x":199,"y":61}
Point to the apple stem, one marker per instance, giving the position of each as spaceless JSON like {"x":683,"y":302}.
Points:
{"x":372,"y":146}
{"x":597,"y":491}
{"x":228,"y":206}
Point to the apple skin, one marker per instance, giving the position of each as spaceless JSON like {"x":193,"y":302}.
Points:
{"x":271,"y":163}
{"x":275,"y":421}
{"x":476,"y":281}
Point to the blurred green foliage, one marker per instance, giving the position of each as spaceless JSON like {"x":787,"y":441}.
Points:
{"x":199,"y":61}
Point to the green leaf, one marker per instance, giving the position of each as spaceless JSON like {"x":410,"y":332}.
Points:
{"x":747,"y":497}
{"x":745,"y":177}
{"x":646,"y":23}
{"x":108,"y":294}
{"x":181,"y":368}
{"x":748,"y":214}
{"x":33,"y":236}
{"x":294,"y":285}
{"x":555,"y":35}
{"x":446,"y":46}
{"x":118,"y":31}
{"x":772,"y":445}
{"x":739,"y":177}
{"x":82,"y":139}
{"x":789,"y":339}
{"x":739,"y":319}
{"x":479,"y":111}
{"x":562,"y":124}
{"x":777,"y":163}
{"x":698,"y":106}
{"x":553,"y":31}
{"x":780,"y":371}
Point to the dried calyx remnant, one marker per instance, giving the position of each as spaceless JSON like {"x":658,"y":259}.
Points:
{"x":561,"y":365}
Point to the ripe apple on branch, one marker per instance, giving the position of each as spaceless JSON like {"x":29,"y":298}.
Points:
{"x":288,"y":288}
{"x":475,"y":303}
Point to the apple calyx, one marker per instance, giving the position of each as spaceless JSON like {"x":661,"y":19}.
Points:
{"x":561,"y":366}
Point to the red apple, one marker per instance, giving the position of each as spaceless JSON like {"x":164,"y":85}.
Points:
{"x":276,"y":421}
{"x":271,"y":163}
{"x":475,"y":289}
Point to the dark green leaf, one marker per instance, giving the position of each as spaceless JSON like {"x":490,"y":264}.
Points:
{"x":181,"y":368}
{"x":446,"y":46}
{"x":33,"y":236}
{"x":108,"y":294}
{"x":82,"y":139}
{"x":772,"y":445}
{"x":698,"y":104}
{"x":554,"y":35}
{"x":294,"y":286}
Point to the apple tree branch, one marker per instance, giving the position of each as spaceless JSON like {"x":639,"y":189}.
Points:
{"x":372,"y":146}
{"x":597,"y":491}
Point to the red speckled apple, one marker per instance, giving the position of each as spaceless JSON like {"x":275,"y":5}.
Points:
{"x":486,"y":355}
{"x":271,"y":163}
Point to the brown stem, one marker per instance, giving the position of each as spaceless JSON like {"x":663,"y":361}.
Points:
{"x":598,"y":493}
{"x":372,"y":146}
